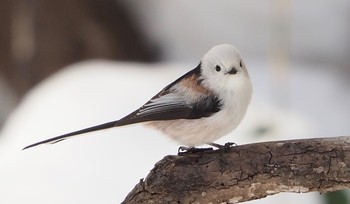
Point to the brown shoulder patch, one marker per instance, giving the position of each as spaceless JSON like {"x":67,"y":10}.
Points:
{"x":192,"y":82}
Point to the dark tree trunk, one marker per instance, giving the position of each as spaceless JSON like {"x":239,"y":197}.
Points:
{"x":39,"y":37}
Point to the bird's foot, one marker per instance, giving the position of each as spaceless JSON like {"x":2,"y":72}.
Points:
{"x":182,"y":151}
{"x":219,"y":146}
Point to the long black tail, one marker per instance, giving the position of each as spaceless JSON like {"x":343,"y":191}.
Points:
{"x":71,"y":134}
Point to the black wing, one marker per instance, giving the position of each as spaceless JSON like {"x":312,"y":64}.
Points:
{"x":173,"y":102}
{"x":173,"y":106}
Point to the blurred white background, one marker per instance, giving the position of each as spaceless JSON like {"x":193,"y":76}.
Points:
{"x":298,"y":56}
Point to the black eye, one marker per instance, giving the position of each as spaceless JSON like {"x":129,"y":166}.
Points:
{"x":240,"y":63}
{"x":217,"y":68}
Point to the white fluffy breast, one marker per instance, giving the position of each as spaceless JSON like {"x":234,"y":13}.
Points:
{"x":194,"y":132}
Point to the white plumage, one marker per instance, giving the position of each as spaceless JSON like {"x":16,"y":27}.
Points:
{"x":234,"y":90}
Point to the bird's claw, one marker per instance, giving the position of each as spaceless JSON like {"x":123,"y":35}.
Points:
{"x":182,"y":151}
{"x":229,"y":144}
{"x":225,"y":146}
{"x":192,"y":150}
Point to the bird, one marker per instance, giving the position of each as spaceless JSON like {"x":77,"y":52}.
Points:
{"x":203,"y":105}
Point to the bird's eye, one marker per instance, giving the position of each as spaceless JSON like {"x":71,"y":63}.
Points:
{"x":218,"y":68}
{"x":240,"y":63}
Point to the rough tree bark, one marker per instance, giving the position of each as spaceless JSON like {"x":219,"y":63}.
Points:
{"x":248,"y":172}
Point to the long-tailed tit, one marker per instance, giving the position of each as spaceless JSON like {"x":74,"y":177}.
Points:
{"x":201,"y":106}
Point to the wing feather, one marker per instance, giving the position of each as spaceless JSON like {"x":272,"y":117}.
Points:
{"x":174,"y":102}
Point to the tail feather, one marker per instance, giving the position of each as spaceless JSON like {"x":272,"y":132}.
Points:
{"x":71,"y":134}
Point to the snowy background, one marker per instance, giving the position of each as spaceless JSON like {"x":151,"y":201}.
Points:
{"x":298,"y":56}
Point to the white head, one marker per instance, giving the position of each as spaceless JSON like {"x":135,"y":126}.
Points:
{"x":223,"y":69}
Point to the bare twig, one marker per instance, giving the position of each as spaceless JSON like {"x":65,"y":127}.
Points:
{"x":248,"y":172}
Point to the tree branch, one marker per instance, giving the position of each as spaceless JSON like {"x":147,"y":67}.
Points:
{"x":248,"y":172}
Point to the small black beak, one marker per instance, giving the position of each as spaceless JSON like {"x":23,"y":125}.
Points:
{"x":232,"y":71}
